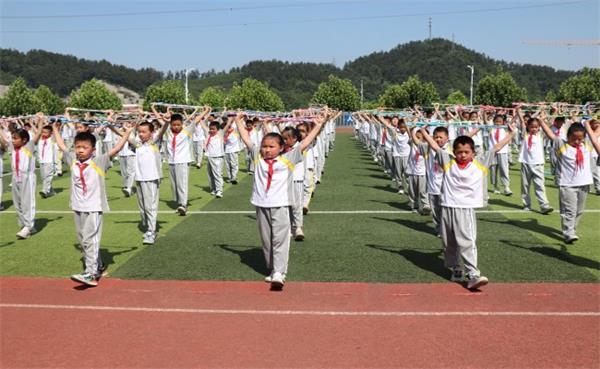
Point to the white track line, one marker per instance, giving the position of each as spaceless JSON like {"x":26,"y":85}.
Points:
{"x":216,"y":212}
{"x":311,"y":312}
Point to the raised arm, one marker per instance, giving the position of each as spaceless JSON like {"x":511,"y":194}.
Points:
{"x":432,"y":144}
{"x":593,"y":136}
{"x":58,"y":138}
{"x":41,"y":119}
{"x":115,"y":150}
{"x":243,"y":133}
{"x":545,"y":127}
{"x":304,"y":144}
{"x":512,"y":128}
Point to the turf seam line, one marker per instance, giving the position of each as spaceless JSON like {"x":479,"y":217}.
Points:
{"x":311,"y":312}
{"x":322,"y":212}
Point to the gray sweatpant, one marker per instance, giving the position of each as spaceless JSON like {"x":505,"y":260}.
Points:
{"x":147,"y":195}
{"x":417,"y":192}
{"x":88,"y":226}
{"x":232,"y":165}
{"x":297,"y":217}
{"x":533,"y":173}
{"x":435,"y":201}
{"x":596,"y":176}
{"x":179,"y":174}
{"x":459,"y":236}
{"x":308,"y":186}
{"x":274,"y":229}
{"x":47,"y":173}
{"x":23,"y":193}
{"x":572,"y":203}
{"x":215,"y":173}
{"x":500,"y":166}
{"x":249,"y":162}
{"x":400,"y":165}
{"x":198,"y":151}
{"x":127,"y":170}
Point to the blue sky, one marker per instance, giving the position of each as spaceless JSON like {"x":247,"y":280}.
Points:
{"x":224,"y":34}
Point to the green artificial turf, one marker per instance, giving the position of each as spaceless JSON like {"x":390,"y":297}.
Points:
{"x":399,"y":247}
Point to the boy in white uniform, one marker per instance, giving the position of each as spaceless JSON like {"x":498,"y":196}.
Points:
{"x":46,"y":152}
{"x":500,"y":162}
{"x":215,"y":153}
{"x":232,"y":148}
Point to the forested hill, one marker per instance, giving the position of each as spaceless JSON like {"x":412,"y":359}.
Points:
{"x":440,"y":61}
{"x":63,"y":73}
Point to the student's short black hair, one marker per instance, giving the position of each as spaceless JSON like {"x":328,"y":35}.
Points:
{"x":293,"y":131}
{"x":276,"y":136}
{"x":85,"y":136}
{"x":22,"y":134}
{"x":559,"y":119}
{"x":463,"y":140}
{"x":441,"y":129}
{"x":47,"y":127}
{"x":147,"y":124}
{"x":303,"y":124}
{"x":575,"y":127}
{"x":176,"y":116}
{"x":214,"y":123}
{"x":499,"y":116}
{"x":533,"y":120}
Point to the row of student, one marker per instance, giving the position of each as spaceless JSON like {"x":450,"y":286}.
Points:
{"x":279,"y":162}
{"x":456,"y":176}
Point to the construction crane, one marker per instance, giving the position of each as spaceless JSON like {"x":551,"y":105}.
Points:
{"x":567,"y":43}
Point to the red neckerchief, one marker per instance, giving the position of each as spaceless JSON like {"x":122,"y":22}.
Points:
{"x":44,"y":147}
{"x":82,"y":167}
{"x":270,"y":163}
{"x":209,"y":138}
{"x":463,"y":165}
{"x":229,"y":132}
{"x":17,"y":157}
{"x":529,"y":142}
{"x":174,"y":142}
{"x":497,"y":135}
{"x":579,"y":160}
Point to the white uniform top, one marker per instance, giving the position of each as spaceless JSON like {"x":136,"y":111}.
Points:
{"x":147,"y":161}
{"x":478,"y":138}
{"x":300,"y":167}
{"x":108,"y":135}
{"x":373,"y":131}
{"x":178,"y":145}
{"x":435,"y":174}
{"x":501,"y":132}
{"x":568,"y":174}
{"x":401,"y":146}
{"x":309,"y":163}
{"x":198,"y":134}
{"x":46,"y":151}
{"x":365,"y":127}
{"x":126,"y":150}
{"x":278,"y":191}
{"x":533,"y":155}
{"x":89,"y":194}
{"x":214,"y":146}
{"x":416,"y":161}
{"x":387,"y":139}
{"x":67,"y":132}
{"x":232,"y":141}
{"x":466,"y":187}
{"x":26,"y":165}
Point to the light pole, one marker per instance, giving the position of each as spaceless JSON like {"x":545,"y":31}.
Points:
{"x":472,"y":68}
{"x":187,"y":92}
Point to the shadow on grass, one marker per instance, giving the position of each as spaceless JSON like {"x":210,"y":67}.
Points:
{"x":411,"y":224}
{"x":249,"y":255}
{"x":140,"y":224}
{"x":389,"y":188}
{"x":562,"y":254}
{"x":41,"y":223}
{"x":430,"y":261}
{"x":7,"y":204}
{"x":532,"y":225}
{"x":501,"y":202}
{"x":107,"y":256}
{"x":394,"y":204}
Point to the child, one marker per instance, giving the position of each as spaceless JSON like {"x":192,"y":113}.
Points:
{"x":88,"y":197}
{"x":178,"y":140}
{"x":198,"y":139}
{"x":292,"y":138}
{"x":573,"y":175}
{"x":214,"y":152}
{"x":46,"y":151}
{"x":595,"y":128}
{"x":4,"y":138}
{"x":232,"y":149}
{"x":500,"y":160}
{"x":23,"y":177}
{"x":417,"y":186}
{"x":531,"y":158}
{"x":309,"y":168}
{"x":147,"y":177}
{"x":435,"y":175}
{"x":400,"y":152}
{"x":271,"y":195}
{"x":463,"y":189}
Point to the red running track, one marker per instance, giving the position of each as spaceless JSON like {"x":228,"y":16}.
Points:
{"x":47,"y":323}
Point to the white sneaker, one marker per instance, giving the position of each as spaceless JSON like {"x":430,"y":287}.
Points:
{"x":571,"y":239}
{"x":401,"y":191}
{"x":219,"y":194}
{"x":213,"y":193}
{"x":526,"y":208}
{"x":496,"y":192}
{"x":277,"y":280}
{"x":299,"y":235}
{"x":25,"y":232}
{"x":269,"y":278}
{"x":476,"y":282}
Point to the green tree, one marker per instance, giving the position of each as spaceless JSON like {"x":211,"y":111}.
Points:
{"x":50,"y":103}
{"x":19,"y":99}
{"x":550,"y":96}
{"x":581,"y":88}
{"x":457,"y":98}
{"x":253,"y":95}
{"x":169,"y":91}
{"x":411,"y":92}
{"x":338,"y":94}
{"x":94,"y":94}
{"x":213,"y":97}
{"x":499,"y":90}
